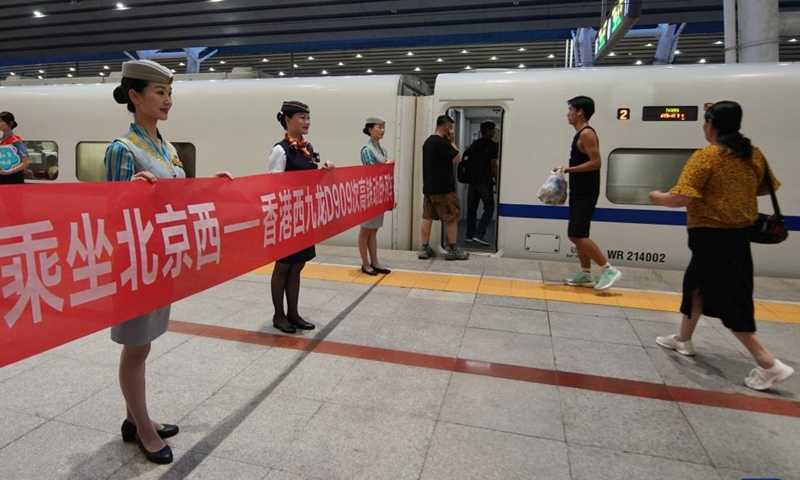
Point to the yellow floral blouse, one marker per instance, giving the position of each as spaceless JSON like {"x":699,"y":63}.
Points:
{"x":723,"y":187}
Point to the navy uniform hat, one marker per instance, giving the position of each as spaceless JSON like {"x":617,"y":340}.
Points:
{"x":293,"y":106}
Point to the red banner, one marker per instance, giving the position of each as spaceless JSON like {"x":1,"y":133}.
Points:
{"x":78,"y":258}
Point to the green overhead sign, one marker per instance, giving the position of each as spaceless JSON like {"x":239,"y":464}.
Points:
{"x":623,"y":16}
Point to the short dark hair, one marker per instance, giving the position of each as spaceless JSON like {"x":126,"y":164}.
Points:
{"x":582,"y":103}
{"x":444,"y":120}
{"x":486,"y":126}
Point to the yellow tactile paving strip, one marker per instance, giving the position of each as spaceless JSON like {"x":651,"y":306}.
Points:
{"x":768,"y":311}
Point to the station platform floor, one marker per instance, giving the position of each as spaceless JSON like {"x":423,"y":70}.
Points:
{"x":480,"y":369}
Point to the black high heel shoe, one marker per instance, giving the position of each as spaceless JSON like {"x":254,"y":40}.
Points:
{"x":162,"y":457}
{"x":372,"y":272}
{"x":381,"y":270}
{"x":129,"y":431}
{"x":283,"y":324}
{"x":301,"y":324}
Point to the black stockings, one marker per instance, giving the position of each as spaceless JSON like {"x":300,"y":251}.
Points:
{"x":286,"y":278}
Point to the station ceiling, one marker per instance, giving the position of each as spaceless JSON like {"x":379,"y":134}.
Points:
{"x":89,"y":35}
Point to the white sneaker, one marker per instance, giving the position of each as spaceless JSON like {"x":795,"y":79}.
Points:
{"x":684,"y":348}
{"x":763,"y":379}
{"x":481,"y":241}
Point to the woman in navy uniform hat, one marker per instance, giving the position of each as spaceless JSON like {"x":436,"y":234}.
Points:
{"x":291,"y":154}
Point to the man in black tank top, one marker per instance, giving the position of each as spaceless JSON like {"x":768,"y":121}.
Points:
{"x":584,"y":190}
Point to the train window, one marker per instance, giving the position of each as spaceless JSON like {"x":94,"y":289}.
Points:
{"x":90,"y":160}
{"x":634,"y":172}
{"x":42,"y":160}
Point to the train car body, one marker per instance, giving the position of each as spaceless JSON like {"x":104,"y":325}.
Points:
{"x":648,"y":120}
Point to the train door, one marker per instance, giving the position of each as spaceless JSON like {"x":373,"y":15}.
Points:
{"x":477,"y":226}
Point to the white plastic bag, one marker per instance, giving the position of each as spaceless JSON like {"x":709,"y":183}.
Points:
{"x":554,"y":190}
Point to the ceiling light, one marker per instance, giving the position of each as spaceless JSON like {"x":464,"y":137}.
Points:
{"x":121,"y":6}
{"x":222,"y":62}
{"x":341,"y":64}
{"x":702,"y":60}
{"x":410,"y":54}
{"x":102,"y":74}
{"x":324,"y":72}
{"x":521,"y":65}
{"x":493,"y":58}
{"x":12,"y":73}
{"x":39,"y":77}
{"x":388,"y":62}
{"x":369,"y":70}
{"x":649,"y":45}
{"x":264,"y":60}
{"x":38,"y":14}
{"x":677,"y":52}
{"x":638,"y":62}
{"x":105,"y":67}
{"x":464,"y":51}
{"x":71,"y":69}
{"x":181,"y":64}
{"x":467,"y":68}
{"x":551,"y":56}
{"x":211,"y":69}
{"x":311,"y":58}
{"x":439,"y":60}
{"x":718,"y":42}
{"x":612,"y":54}
{"x":417,"y":69}
{"x":173,"y":71}
{"x":281,"y":74}
{"x":41,"y":71}
{"x":521,"y":49}
{"x":216,"y":1}
{"x":69,"y":75}
{"x":295,"y":66}
{"x":358,"y":55}
{"x":793,"y":40}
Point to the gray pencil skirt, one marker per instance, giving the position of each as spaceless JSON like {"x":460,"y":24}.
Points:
{"x":142,"y":329}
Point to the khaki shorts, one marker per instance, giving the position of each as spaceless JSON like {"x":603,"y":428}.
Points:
{"x":443,"y":207}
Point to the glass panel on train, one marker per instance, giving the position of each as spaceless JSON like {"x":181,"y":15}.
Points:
{"x":90,"y":156}
{"x":634,"y":172}
{"x":42,"y":160}
{"x":477,"y":188}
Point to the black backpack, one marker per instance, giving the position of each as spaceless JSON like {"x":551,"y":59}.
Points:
{"x":474,"y":165}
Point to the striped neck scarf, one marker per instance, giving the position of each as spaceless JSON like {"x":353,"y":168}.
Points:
{"x":298,"y":145}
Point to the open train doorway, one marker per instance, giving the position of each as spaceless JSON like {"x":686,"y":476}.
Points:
{"x":478,"y":133}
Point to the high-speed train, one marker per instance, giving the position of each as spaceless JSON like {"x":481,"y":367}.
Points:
{"x":648,"y":120}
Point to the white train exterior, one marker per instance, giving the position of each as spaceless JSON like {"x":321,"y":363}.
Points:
{"x":232,"y":126}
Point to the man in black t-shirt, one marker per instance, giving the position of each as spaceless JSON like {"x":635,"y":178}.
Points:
{"x":439,"y":154}
{"x":482,"y":157}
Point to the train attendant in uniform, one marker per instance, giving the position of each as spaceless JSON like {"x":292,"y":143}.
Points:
{"x":290,"y":154}
{"x":13,"y":150}
{"x":142,"y":154}
{"x":372,"y":154}
{"x":718,"y":186}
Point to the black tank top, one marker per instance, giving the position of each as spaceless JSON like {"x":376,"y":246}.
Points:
{"x":582,"y":184}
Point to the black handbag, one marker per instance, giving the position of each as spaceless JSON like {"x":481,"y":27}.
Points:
{"x":770,"y":229}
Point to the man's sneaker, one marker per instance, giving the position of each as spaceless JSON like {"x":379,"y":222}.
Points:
{"x":607,"y":278}
{"x":582,"y":279}
{"x":456,"y":254}
{"x":469,"y":240}
{"x":684,"y":348}
{"x":426,"y":253}
{"x":481,"y":241}
{"x":763,"y":379}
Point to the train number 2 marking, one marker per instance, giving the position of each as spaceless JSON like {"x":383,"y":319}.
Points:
{"x":647,"y":257}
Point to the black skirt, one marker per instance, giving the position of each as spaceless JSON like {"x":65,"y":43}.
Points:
{"x":722,"y":269}
{"x":302,"y":256}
